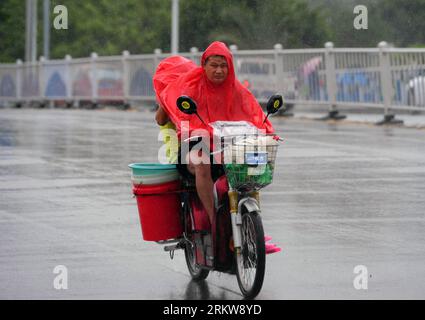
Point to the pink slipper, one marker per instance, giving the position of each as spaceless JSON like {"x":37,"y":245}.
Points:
{"x":267,"y":238}
{"x":272,"y":248}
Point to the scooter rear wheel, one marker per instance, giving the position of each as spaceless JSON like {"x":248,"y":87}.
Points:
{"x":251,"y":260}
{"x":195,"y":271}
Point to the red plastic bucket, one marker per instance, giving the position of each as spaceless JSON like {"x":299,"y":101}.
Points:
{"x":159,"y":210}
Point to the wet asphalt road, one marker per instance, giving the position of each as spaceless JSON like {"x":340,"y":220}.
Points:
{"x":343,"y":195}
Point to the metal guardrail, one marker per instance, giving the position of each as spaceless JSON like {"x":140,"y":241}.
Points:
{"x":387,"y":78}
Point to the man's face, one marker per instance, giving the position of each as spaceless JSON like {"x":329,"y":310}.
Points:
{"x":216,"y":69}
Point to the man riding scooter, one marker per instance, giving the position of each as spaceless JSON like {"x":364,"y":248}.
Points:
{"x":219,"y":97}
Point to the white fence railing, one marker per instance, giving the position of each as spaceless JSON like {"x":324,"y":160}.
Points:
{"x":382,"y":77}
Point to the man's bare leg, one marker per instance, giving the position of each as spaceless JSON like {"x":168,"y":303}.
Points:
{"x":204,"y":186}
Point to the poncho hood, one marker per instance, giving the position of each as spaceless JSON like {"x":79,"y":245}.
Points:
{"x":229,"y":101}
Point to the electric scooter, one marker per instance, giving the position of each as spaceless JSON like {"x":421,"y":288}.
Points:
{"x":234,"y":242}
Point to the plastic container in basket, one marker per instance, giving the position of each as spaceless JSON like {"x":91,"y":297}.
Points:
{"x":252,"y":162}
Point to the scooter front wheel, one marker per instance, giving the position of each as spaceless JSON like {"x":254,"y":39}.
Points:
{"x":251,"y":258}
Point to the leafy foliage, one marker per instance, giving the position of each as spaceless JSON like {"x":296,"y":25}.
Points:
{"x":401,"y":23}
{"x":108,"y":27}
{"x":12,"y":30}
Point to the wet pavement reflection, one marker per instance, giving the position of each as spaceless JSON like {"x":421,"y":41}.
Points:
{"x":343,"y":195}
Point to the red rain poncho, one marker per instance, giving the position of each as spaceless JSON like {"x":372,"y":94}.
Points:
{"x":229,"y":101}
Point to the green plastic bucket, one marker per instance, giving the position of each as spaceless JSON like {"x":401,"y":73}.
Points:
{"x":153,"y":173}
{"x":145,"y":169}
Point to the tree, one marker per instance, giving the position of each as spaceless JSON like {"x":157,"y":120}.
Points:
{"x":253,"y":24}
{"x":12,"y":30}
{"x":198,"y":20}
{"x":407,"y":20}
{"x":105,"y":26}
{"x":109,"y":27}
{"x":397,"y":22}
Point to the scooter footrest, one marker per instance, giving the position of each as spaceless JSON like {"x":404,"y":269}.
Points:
{"x":173,"y":247}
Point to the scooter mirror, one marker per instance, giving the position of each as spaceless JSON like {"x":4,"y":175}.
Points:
{"x":186,"y":105}
{"x":274,"y":104}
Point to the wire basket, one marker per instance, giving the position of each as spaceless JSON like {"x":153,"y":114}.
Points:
{"x":249,"y":161}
